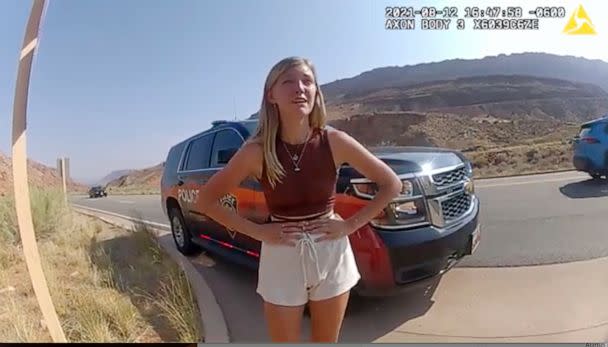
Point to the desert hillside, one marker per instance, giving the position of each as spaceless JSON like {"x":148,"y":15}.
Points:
{"x":40,"y":176}
{"x":141,"y":181}
{"x":470,"y":113}
{"x":113,"y":176}
{"x":510,"y":97}
{"x":505,"y":124}
{"x":508,"y":113}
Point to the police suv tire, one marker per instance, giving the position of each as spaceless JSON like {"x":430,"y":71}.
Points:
{"x":183,"y":242}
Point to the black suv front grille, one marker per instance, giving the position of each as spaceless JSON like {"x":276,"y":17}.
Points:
{"x":455,"y":206}
{"x":448,"y":178}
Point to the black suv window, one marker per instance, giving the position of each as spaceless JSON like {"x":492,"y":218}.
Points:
{"x":173,"y":158}
{"x":198,"y":154}
{"x":225,"y":140}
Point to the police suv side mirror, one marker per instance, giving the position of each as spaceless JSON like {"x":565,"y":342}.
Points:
{"x":224,"y":155}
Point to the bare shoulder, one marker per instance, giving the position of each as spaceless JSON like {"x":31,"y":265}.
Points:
{"x":252,"y":153}
{"x":252,"y":148}
{"x":342,"y":144}
{"x":338,"y":136}
{"x":245,"y":163}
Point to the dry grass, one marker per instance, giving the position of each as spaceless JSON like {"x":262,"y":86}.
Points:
{"x":133,"y":190}
{"x":497,"y":146}
{"x":107,"y":284}
{"x":177,"y":307}
{"x":525,"y":159}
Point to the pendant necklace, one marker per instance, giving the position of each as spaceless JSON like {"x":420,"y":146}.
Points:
{"x":295,"y":158}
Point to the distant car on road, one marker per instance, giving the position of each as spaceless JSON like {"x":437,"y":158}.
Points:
{"x":591,"y":148}
{"x":423,"y":233}
{"x":97,"y":191}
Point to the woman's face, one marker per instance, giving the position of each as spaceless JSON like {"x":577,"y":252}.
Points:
{"x":294,"y":92}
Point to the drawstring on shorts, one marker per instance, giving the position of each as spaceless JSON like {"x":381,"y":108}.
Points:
{"x":308,"y":253}
{"x":307,"y":250}
{"x":306,"y":269}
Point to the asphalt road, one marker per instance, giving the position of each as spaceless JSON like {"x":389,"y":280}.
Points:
{"x":527,"y":220}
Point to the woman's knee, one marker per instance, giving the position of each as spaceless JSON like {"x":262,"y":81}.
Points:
{"x":284,"y":322}
{"x":327,"y":317}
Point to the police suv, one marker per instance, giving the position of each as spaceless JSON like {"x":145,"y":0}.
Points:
{"x":420,"y":235}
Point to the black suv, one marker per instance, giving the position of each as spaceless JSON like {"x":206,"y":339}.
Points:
{"x":97,"y":192}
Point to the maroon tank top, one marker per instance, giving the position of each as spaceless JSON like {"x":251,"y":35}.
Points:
{"x":308,"y":191}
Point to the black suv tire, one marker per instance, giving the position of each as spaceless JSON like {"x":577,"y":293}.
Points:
{"x":595,"y":176}
{"x":181,"y":235}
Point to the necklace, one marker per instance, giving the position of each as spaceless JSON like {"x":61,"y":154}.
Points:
{"x":295,"y":158}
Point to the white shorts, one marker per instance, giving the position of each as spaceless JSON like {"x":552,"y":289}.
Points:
{"x":291,"y":276}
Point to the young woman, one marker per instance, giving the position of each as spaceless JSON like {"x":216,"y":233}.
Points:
{"x":306,"y":256}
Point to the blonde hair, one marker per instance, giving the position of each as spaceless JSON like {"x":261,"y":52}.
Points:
{"x":268,"y":124}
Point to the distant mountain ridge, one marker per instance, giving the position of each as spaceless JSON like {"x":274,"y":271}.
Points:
{"x":569,"y":68}
{"x":112,"y":176}
{"x":505,"y":96}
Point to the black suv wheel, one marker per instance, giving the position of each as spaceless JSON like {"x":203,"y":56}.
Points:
{"x":595,"y":176}
{"x":181,"y":234}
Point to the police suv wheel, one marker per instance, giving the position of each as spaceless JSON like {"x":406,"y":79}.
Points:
{"x":181,"y":235}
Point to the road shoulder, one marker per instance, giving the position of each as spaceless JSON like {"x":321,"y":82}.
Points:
{"x":557,"y":303}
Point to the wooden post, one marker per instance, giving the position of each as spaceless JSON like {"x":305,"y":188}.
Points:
{"x":64,"y":181}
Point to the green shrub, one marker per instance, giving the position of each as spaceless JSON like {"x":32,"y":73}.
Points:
{"x":49,"y":213}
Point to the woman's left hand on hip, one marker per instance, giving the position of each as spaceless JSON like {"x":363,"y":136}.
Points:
{"x":331,"y":228}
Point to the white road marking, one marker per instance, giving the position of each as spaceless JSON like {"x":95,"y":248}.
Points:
{"x":154,"y":224}
{"x":526,"y":182}
{"x":126,"y":202}
{"x":534,"y":176}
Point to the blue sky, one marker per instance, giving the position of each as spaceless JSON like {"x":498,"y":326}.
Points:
{"x":116,"y":82}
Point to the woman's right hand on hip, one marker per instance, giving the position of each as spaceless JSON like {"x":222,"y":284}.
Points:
{"x":285,"y":234}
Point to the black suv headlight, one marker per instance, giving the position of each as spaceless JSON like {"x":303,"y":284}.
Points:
{"x":406,"y":211}
{"x":469,"y":167}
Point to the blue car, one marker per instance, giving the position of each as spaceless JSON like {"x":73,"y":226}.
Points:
{"x":591,"y":148}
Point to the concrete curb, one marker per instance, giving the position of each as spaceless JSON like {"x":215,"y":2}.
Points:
{"x":214,"y":324}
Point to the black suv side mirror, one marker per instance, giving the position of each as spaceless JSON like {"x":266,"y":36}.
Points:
{"x":224,"y":155}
